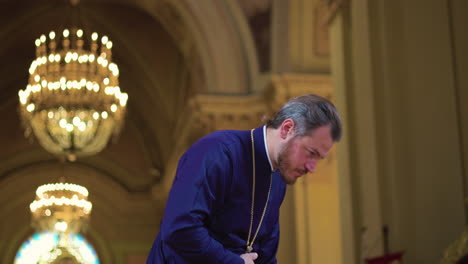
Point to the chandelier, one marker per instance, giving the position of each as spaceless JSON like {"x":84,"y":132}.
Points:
{"x":73,"y":103}
{"x":61,"y":207}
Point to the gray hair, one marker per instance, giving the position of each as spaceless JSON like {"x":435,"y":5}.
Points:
{"x":309,"y":112}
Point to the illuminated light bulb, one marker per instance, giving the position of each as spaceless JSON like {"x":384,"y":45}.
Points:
{"x":104,"y":115}
{"x":76,"y":121}
{"x":47,"y":212}
{"x":37,"y":42}
{"x":30,"y":107}
{"x":52,"y":35}
{"x":61,"y":226}
{"x":94,"y":36}
{"x":69,"y":127}
{"x":113,"y":108}
{"x":96,"y":115}
{"x":66,"y":33}
{"x":63,"y":123}
{"x":79,"y":33}
{"x":104,"y":40}
{"x":113,"y":67}
{"x":123,"y":99}
{"x":37,"y":78}
{"x":106,"y":81}
{"x":32,"y":70}
{"x":109,"y":45}
{"x":43,"y":38}
{"x":82,"y":126}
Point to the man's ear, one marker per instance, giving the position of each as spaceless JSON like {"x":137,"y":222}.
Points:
{"x":287,"y":127}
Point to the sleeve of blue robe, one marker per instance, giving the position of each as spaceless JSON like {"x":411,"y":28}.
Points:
{"x":202,"y":179}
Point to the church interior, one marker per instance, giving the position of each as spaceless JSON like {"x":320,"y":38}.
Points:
{"x":396,"y":71}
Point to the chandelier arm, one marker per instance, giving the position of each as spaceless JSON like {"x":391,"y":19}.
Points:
{"x":94,"y":135}
{"x":53,"y":137}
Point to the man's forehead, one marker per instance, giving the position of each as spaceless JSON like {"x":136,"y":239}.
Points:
{"x":321,"y":142}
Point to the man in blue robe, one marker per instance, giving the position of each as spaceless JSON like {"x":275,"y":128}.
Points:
{"x":224,"y":203}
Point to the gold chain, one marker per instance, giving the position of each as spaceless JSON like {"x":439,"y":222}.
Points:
{"x":250,"y":245}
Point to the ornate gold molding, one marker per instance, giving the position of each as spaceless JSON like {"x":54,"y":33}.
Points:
{"x":283,"y":87}
{"x":216,"y":112}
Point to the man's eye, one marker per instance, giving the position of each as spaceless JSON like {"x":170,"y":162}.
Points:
{"x":314,"y":154}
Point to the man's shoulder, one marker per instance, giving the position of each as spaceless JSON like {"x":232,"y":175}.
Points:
{"x":226,"y":134}
{"x":226,"y":138}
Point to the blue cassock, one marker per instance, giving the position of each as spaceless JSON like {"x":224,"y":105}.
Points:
{"x":207,"y":215}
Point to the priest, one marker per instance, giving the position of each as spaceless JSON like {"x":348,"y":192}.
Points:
{"x":225,"y":200}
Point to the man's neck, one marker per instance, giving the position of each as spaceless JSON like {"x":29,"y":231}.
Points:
{"x":271,"y":137}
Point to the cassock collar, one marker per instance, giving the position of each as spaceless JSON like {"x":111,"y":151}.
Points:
{"x":261,"y":157}
{"x":266,"y":147}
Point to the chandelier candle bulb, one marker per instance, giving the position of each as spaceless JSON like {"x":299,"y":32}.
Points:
{"x":68,"y":79}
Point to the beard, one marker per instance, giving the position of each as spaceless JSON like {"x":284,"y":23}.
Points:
{"x":284,"y":164}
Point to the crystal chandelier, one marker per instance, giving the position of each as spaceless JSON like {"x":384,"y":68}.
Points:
{"x":61,"y":207}
{"x":73,"y":103}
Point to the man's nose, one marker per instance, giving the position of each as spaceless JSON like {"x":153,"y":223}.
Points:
{"x":310,"y":165}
